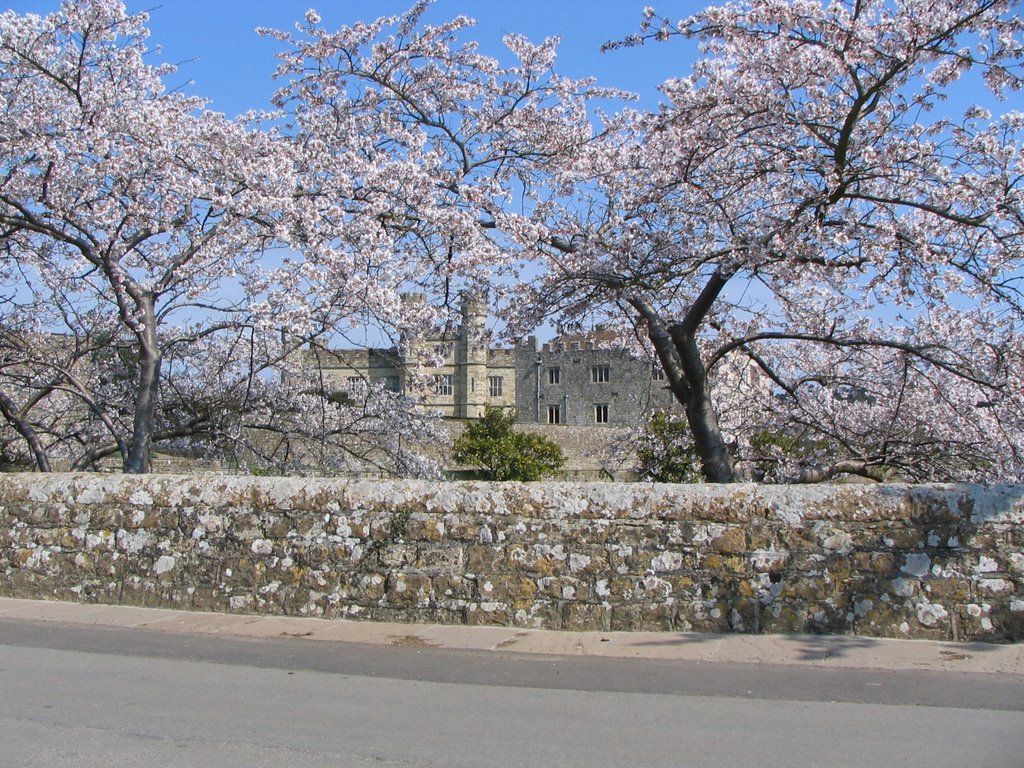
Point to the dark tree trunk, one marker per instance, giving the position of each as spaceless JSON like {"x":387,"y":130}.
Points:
{"x":138,"y":460}
{"x":679,"y":353}
{"x":700,"y":413}
{"x":25,"y":429}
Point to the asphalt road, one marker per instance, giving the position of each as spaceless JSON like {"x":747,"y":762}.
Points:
{"x":113,"y":697}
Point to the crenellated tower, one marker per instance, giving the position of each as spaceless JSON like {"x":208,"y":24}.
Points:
{"x":471,"y":350}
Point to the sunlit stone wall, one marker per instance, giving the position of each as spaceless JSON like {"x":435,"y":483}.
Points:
{"x":882,"y":560}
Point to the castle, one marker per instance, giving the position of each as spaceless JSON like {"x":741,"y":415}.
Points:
{"x":580,"y":380}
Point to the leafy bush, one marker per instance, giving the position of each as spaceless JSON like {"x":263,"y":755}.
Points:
{"x":500,"y":453}
{"x":666,"y":452}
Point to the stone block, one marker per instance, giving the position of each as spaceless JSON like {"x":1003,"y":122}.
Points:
{"x":542,"y":614}
{"x":764,"y":536}
{"x":652,"y":588}
{"x":461,"y":528}
{"x":623,"y":560}
{"x":424,"y":528}
{"x":993,"y":538}
{"x":801,"y":589}
{"x":994,"y":588}
{"x":585,"y":617}
{"x":144,"y":594}
{"x":486,"y":559}
{"x":587,"y":560}
{"x":874,"y":562}
{"x":898,"y":539}
{"x":209,"y":598}
{"x":932,"y":509}
{"x":733,"y":541}
{"x":397,"y":555}
{"x":703,"y":616}
{"x":39,"y":516}
{"x":1007,"y":623}
{"x":277,"y":526}
{"x":646,"y":617}
{"x":566,"y":588}
{"x":539,"y":559}
{"x":652,"y":535}
{"x":617,"y":589}
{"x":440,"y":559}
{"x":790,"y":618}
{"x":515,"y":591}
{"x":727,"y":564}
{"x":694,"y":502}
{"x":100,"y":518}
{"x":47,"y":538}
{"x":452,"y":587}
{"x":243,"y":573}
{"x":372,"y":587}
{"x":408,"y":589}
{"x":489,"y":614}
{"x":948,"y":590}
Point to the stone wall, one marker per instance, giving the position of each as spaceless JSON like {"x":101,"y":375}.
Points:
{"x":896,"y":561}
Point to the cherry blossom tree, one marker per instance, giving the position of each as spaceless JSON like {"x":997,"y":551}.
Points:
{"x":412,"y":142}
{"x":802,"y":191}
{"x":805,"y":189}
{"x":148,"y":293}
{"x":804,"y":205}
{"x":886,"y":413}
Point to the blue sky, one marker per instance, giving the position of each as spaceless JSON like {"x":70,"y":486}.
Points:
{"x":215,"y":43}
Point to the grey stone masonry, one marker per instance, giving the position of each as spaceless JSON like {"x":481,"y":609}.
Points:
{"x":580,"y":384}
{"x":940,"y":562}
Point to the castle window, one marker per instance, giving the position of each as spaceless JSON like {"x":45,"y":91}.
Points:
{"x":354,"y":384}
{"x":443,"y":384}
{"x":601,"y":374}
{"x":554,"y":414}
{"x":392,"y":383}
{"x":494,"y":385}
{"x":554,"y":375}
{"x":601,"y":413}
{"x":657,"y":374}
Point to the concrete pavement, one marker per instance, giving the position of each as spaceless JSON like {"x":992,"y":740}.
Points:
{"x":102,"y":697}
{"x":817,"y":651}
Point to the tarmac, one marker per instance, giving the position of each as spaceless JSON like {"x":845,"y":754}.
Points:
{"x":823,"y":651}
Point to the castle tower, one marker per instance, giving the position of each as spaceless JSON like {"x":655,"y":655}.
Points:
{"x":409,"y":346}
{"x":471,"y":357}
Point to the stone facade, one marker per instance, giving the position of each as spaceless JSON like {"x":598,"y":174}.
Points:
{"x":576,"y":381}
{"x":579,"y":382}
{"x":457,"y":374}
{"x":943,"y":562}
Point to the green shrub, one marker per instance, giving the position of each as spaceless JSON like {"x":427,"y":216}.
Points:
{"x":666,"y":452}
{"x":498,"y":452}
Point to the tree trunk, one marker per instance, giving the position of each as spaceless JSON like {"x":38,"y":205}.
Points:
{"x":25,"y":429}
{"x":850,"y":466}
{"x":138,"y":460}
{"x":680,"y":358}
{"x":700,"y":413}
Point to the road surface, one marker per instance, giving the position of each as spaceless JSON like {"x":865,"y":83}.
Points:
{"x":113,"y":697}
